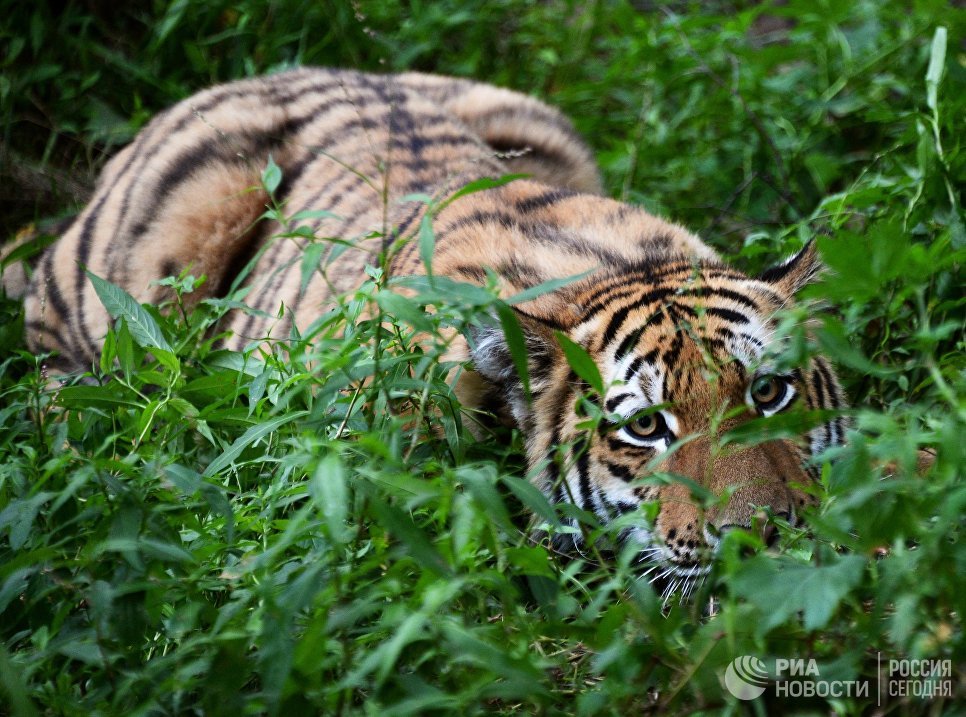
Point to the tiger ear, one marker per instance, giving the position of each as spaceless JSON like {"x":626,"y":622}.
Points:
{"x":796,"y":271}
{"x":492,"y":357}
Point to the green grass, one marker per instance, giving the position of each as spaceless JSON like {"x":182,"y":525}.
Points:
{"x":317,"y":531}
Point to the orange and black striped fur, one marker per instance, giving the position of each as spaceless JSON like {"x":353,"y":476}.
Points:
{"x":681,"y":339}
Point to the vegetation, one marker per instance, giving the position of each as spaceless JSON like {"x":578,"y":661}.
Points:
{"x":317,"y":531}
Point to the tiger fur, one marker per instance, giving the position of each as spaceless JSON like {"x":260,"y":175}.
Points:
{"x":667,"y":323}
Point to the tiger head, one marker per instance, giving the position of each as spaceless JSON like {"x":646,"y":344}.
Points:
{"x":687,"y":350}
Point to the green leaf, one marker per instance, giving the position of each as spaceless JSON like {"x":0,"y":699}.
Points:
{"x":781,"y":588}
{"x":581,"y":362}
{"x":189,"y":482}
{"x":530,"y":561}
{"x":937,"y":61}
{"x":15,"y":585}
{"x":271,"y":176}
{"x":312,"y":214}
{"x":790,"y":425}
{"x":482,"y":488}
{"x":20,"y":516}
{"x":149,"y":547}
{"x":311,"y":257}
{"x":106,"y":396}
{"x":531,"y":497}
{"x":545,"y":287}
{"x":28,"y":249}
{"x":331,"y":495}
{"x":427,"y":242}
{"x":417,"y":197}
{"x":167,"y":359}
{"x":404,"y":308}
{"x":120,"y":304}
{"x":479,"y":185}
{"x":15,"y":688}
{"x":415,"y":540}
{"x":516,"y":343}
{"x":249,"y":437}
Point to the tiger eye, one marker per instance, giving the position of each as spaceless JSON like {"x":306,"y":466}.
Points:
{"x":767,"y":389}
{"x":648,"y":426}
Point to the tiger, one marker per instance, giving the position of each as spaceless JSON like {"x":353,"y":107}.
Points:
{"x":687,"y":347}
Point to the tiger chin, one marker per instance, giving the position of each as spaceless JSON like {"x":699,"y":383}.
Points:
{"x":687,"y":347}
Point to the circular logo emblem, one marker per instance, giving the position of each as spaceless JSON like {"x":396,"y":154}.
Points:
{"x":746,"y":677}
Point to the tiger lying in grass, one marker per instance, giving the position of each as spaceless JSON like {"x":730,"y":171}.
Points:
{"x":680,"y":338}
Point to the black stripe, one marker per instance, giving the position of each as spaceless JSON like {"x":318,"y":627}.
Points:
{"x":727,"y":314}
{"x":659,"y":316}
{"x":403,"y":226}
{"x":651,"y":272}
{"x":192,"y":111}
{"x":83,"y":257}
{"x":624,"y":293}
{"x":721,"y":273}
{"x":649,"y":297}
{"x":476,"y":273}
{"x":615,"y":323}
{"x":777,"y":273}
{"x":823,"y":368}
{"x":670,"y":356}
{"x":583,"y":476}
{"x":835,"y":401}
{"x":545,"y":320}
{"x":620,"y":315}
{"x":823,"y":399}
{"x":622,"y":472}
{"x":676,"y":309}
{"x":613,"y":403}
{"x":52,"y":289}
{"x":619,"y":446}
{"x":39,"y":327}
{"x":478,"y":217}
{"x":726,"y":293}
{"x":632,"y":369}
{"x":650,"y":242}
{"x":539,"y":201}
{"x":751,"y":339}
{"x":519,"y":273}
{"x":628,"y":343}
{"x":558,"y":403}
{"x":608,"y":511}
{"x":770,"y":296}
